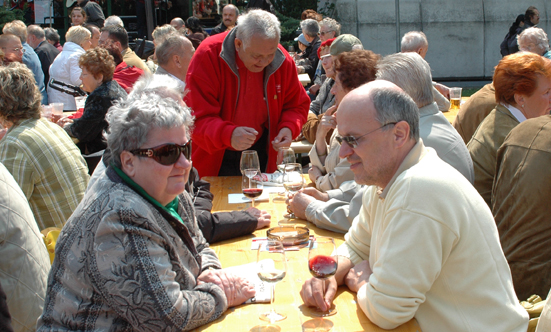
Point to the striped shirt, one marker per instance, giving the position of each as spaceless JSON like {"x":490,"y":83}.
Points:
{"x":48,"y":167}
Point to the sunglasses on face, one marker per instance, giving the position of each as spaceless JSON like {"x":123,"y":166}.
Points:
{"x":353,"y":141}
{"x":322,"y":33}
{"x":165,"y":154}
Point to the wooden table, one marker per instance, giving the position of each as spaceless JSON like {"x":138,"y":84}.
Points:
{"x":451,"y":114}
{"x":237,"y":252}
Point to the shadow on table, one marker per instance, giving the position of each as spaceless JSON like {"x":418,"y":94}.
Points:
{"x":265,"y":328}
{"x":317,"y":325}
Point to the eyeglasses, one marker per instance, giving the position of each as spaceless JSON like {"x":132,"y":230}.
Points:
{"x":353,"y":141}
{"x":16,"y":50}
{"x":322,"y":33}
{"x":165,"y":154}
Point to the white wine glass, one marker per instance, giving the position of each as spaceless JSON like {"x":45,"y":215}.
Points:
{"x":293,"y":181}
{"x":322,"y":265}
{"x":272,"y":268}
{"x":285,"y":156}
{"x":251,"y":184}
{"x":249,"y":160}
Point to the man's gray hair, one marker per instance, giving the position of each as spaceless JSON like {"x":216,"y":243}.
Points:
{"x":310,"y":27}
{"x":533,"y":40}
{"x":36,"y":31}
{"x":113,"y":20}
{"x":257,"y":22}
{"x":395,"y":106}
{"x":414,"y":40}
{"x":173,"y":44}
{"x":410,"y":72}
{"x":331,"y":25}
{"x":162,"y":85}
{"x":130,"y":121}
{"x":162,"y":32}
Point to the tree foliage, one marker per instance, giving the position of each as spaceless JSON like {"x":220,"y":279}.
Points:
{"x":294,"y":8}
{"x":7,"y":15}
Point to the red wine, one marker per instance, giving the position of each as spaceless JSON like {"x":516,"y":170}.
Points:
{"x":252,"y":192}
{"x":322,"y":266}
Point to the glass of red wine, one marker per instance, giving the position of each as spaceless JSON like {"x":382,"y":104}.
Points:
{"x":322,"y":265}
{"x":271,"y":268}
{"x":251,"y":184}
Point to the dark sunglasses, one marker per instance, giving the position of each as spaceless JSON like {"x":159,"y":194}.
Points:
{"x":353,"y":141}
{"x":165,"y":154}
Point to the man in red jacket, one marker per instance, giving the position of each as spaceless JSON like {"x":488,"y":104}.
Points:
{"x":245,"y":94}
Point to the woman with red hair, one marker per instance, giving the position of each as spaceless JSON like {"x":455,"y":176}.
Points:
{"x":523,"y":90}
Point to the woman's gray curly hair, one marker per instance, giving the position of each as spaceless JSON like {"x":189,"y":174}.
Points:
{"x":131,"y":120}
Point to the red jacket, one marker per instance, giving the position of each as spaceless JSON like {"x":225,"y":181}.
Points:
{"x":213,"y":83}
{"x":126,"y":76}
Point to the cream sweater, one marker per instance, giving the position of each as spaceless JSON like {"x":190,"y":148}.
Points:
{"x":434,"y":250}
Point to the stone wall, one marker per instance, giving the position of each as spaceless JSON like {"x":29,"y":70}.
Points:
{"x":464,"y":35}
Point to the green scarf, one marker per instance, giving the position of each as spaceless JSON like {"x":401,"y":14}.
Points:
{"x":171,"y":208}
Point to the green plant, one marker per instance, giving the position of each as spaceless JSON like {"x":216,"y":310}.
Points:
{"x":294,"y":8}
{"x":288,"y":30}
{"x":7,"y":15}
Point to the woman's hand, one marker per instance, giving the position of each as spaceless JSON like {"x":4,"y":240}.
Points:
{"x":236,"y":288}
{"x":328,"y":122}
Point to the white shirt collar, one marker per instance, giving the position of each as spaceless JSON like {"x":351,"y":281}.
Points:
{"x":516,"y":113}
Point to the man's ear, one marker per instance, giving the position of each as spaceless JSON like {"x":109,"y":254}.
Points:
{"x":401,"y":133}
{"x":176,"y":60}
{"x":238,"y":44}
{"x":127,"y":163}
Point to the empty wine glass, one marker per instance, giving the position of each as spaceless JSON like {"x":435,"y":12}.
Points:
{"x":249,"y":161}
{"x":272,"y":267}
{"x":292,"y":51}
{"x":293,"y":181}
{"x":285,"y":156}
{"x":251,"y":184}
{"x":322,"y":265}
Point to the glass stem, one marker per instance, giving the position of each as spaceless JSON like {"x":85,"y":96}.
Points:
{"x":272,"y":310}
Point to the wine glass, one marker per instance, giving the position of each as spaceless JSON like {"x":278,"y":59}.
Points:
{"x":272,"y":267}
{"x":293,"y":181}
{"x":251,"y":184}
{"x":292,"y":51}
{"x":285,"y":156}
{"x":249,"y":160}
{"x":322,"y":265}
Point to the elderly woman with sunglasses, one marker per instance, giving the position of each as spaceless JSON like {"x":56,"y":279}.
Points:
{"x":131,"y":257}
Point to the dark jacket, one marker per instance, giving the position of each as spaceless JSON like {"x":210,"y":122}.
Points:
{"x":217,"y":226}
{"x":94,"y":13}
{"x":46,"y":54}
{"x":218,"y":29}
{"x":89,"y":128}
{"x":311,"y":53}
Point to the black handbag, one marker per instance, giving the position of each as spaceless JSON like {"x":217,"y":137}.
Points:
{"x":144,"y":48}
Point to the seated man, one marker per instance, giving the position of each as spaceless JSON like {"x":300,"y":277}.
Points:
{"x":416,"y":42}
{"x":310,"y":30}
{"x":40,"y":155}
{"x":119,"y":37}
{"x":415,"y":250}
{"x":520,"y":204}
{"x":339,"y":207}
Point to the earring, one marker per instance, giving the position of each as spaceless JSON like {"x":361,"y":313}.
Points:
{"x":522,"y":106}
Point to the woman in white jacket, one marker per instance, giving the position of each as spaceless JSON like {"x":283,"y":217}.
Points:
{"x":65,"y":67}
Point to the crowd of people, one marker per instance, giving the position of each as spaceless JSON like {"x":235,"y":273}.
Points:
{"x":440,"y":218}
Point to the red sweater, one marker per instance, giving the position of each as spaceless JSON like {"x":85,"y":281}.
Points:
{"x":126,"y":76}
{"x":213,"y":83}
